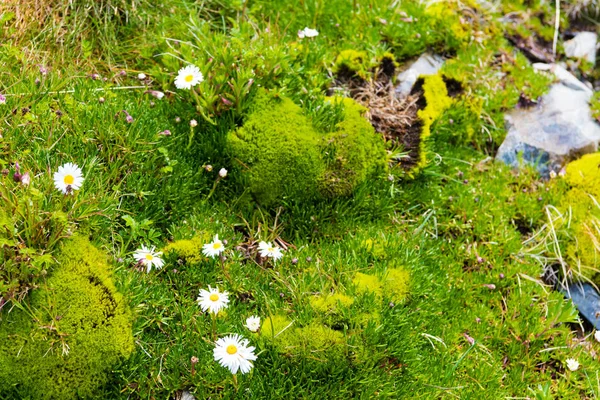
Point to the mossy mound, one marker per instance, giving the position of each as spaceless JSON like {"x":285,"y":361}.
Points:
{"x":583,"y":177}
{"x":393,"y":286}
{"x":351,"y":63}
{"x":188,"y":250}
{"x":76,"y":327}
{"x":314,"y":340}
{"x":353,"y":152}
{"x":333,"y":309}
{"x":279,"y":155}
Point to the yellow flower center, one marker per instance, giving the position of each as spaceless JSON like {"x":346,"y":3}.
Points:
{"x":214,"y":297}
{"x":231,"y":349}
{"x":149,"y":257}
{"x":69,"y":179}
{"x":189,"y":78}
{"x":217,"y":245}
{"x":271,"y":249}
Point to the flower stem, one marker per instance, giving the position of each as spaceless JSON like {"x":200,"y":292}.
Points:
{"x":235,"y":383}
{"x":214,"y":326}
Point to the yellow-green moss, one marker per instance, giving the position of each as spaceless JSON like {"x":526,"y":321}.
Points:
{"x":280,"y":155}
{"x":331,"y":303}
{"x":395,"y":284}
{"x":585,"y":174}
{"x":76,"y":329}
{"x":353,"y":152}
{"x":352,"y":62}
{"x":314,"y":340}
{"x":437,"y":101}
{"x":188,"y":249}
{"x":277,"y":152}
{"x":367,"y":284}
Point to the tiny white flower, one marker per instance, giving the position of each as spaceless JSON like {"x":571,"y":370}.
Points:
{"x":268,"y":250}
{"x":68,"y":178}
{"x":212,"y":300}
{"x":597,"y":336}
{"x":222,"y":172}
{"x":149,"y":258}
{"x":253,"y":323}
{"x":572,"y":364}
{"x":2,"y":99}
{"x":188,"y":77}
{"x":193,"y":123}
{"x":308,"y":32}
{"x":214,"y":248}
{"x":233,"y":352}
{"x":141,"y":76}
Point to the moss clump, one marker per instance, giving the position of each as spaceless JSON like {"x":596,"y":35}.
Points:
{"x":277,"y":151}
{"x":76,"y":329}
{"x":280,"y":155}
{"x":333,"y":309}
{"x":353,"y":152}
{"x":190,"y":250}
{"x":367,"y":284}
{"x":438,"y":101}
{"x":350,"y":63}
{"x":314,"y":340}
{"x":585,"y":174}
{"x":394,"y":285}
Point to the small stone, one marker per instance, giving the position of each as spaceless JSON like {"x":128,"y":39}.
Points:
{"x":427,"y":64}
{"x":583,"y":45}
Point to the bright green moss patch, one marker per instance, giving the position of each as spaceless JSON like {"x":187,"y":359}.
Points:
{"x":585,"y":174}
{"x":277,"y":152}
{"x":281,"y":156}
{"x":394,"y":285}
{"x":437,"y":101}
{"x":367,"y":284}
{"x":75,"y":330}
{"x":351,"y":63}
{"x":189,"y":250}
{"x":375,"y":247}
{"x":330,"y":303}
{"x":313,"y":340}
{"x":353,"y":152}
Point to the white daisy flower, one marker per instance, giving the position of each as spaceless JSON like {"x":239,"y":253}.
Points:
{"x":268,"y":250}
{"x":142,"y":76}
{"x":253,"y":323}
{"x":572,"y":364}
{"x":188,"y":77}
{"x":149,"y":258}
{"x":68,"y":178}
{"x":222,"y":172}
{"x":214,"y":248}
{"x":234,"y":353}
{"x":193,"y":123}
{"x":597,"y":336}
{"x":212,"y":300}
{"x":308,"y":32}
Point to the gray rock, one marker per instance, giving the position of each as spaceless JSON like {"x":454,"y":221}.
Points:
{"x":583,"y":45}
{"x":587,"y":301}
{"x":559,"y":129}
{"x":427,"y":64}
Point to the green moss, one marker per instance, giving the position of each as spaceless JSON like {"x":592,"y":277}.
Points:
{"x":353,"y":152}
{"x":189,"y":250}
{"x":585,"y":174}
{"x":72,"y":332}
{"x":437,"y":101}
{"x":367,"y":284}
{"x":314,"y":340}
{"x":352,"y":63}
{"x":280,"y":155}
{"x":277,"y":151}
{"x":375,"y":247}
{"x":331,"y":303}
{"x":395,"y":284}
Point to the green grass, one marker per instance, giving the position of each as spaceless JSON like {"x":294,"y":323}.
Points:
{"x":455,"y":307}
